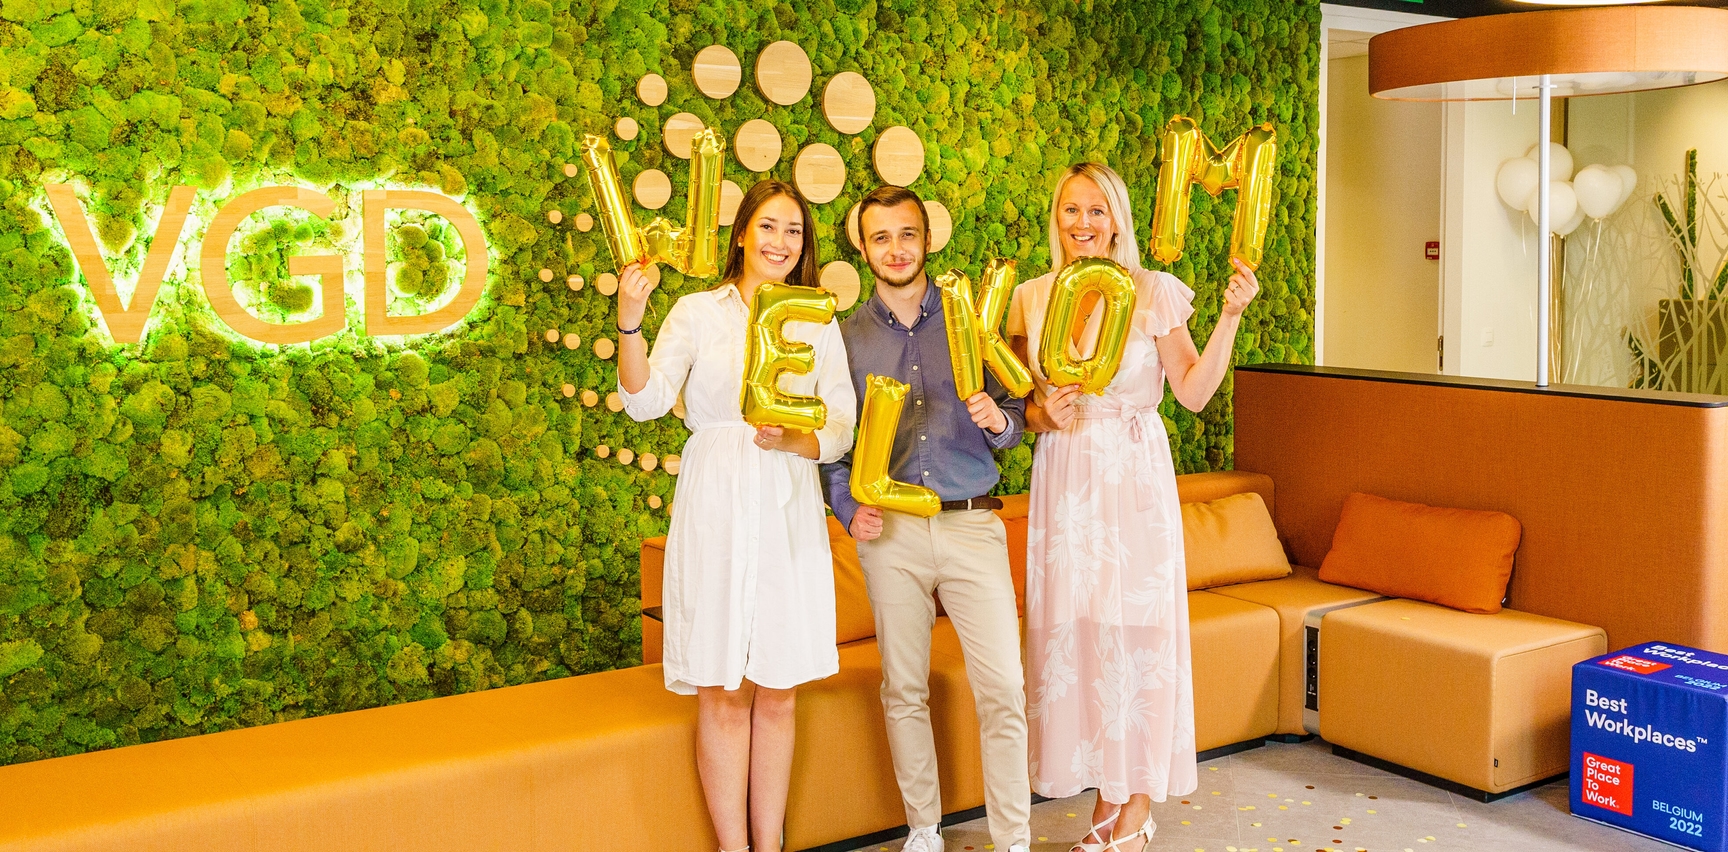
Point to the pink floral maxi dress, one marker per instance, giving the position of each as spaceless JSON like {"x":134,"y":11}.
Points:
{"x":1108,"y":668}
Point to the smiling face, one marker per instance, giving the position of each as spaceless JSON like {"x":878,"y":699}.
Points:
{"x":1083,"y":219}
{"x":895,"y":242}
{"x":774,"y":241}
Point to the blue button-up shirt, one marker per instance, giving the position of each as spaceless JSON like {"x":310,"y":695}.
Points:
{"x":937,"y":445}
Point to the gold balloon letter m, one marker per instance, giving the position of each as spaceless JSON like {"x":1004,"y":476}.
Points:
{"x":1249,"y":165}
{"x":768,"y":354}
{"x":693,"y":249}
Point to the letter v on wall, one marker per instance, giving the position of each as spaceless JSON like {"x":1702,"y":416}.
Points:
{"x":125,"y":322}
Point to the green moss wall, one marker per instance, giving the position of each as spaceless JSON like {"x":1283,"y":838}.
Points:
{"x":199,"y":533}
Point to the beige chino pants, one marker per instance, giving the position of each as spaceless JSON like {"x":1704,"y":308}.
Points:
{"x":963,"y":556}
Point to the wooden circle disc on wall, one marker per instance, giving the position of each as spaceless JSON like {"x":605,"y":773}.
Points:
{"x":653,"y":189}
{"x":651,"y":89}
{"x":941,"y":224}
{"x":849,"y":102}
{"x":572,"y":340}
{"x":551,"y":335}
{"x":604,"y":348}
{"x":626,"y":128}
{"x":584,"y":222}
{"x":606,"y":283}
{"x":757,"y":145}
{"x":819,"y":173}
{"x":574,"y":282}
{"x":648,"y":461}
{"x":569,"y":390}
{"x":783,"y":73}
{"x":590,"y":398}
{"x":730,"y":197}
{"x":569,"y":169}
{"x":614,"y":402}
{"x":653,"y":501}
{"x":899,"y":155}
{"x":852,"y":233}
{"x":670,"y":464}
{"x":554,"y":216}
{"x":841,"y":279}
{"x":678,"y":133}
{"x":626,"y":455}
{"x":716,"y":71}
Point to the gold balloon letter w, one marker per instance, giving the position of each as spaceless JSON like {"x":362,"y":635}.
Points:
{"x":693,"y":249}
{"x":1249,"y":165}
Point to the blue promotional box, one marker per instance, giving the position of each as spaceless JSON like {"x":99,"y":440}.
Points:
{"x":1650,"y":743}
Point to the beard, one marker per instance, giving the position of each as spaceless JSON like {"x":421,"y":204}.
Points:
{"x":883,"y":277}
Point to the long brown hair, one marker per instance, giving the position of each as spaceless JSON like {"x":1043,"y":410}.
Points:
{"x":805,"y":273}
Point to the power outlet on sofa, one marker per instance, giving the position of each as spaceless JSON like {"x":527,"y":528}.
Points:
{"x":1311,"y":625}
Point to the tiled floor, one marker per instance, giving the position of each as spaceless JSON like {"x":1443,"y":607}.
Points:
{"x":1302,"y":798}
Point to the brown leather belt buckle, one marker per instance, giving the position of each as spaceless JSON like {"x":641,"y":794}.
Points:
{"x":973,"y":503}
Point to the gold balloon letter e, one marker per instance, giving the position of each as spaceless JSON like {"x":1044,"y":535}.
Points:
{"x":1116,"y":286}
{"x":884,"y":398}
{"x":1249,"y":165}
{"x":768,"y":354}
{"x":975,"y":330}
{"x":693,"y":249}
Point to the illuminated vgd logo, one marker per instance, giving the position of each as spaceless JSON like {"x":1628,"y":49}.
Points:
{"x":126,"y":322}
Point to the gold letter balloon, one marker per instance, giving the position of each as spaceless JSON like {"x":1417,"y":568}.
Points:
{"x":1116,"y":287}
{"x":768,"y":354}
{"x":975,"y":330}
{"x":693,"y":249}
{"x":884,"y":398}
{"x":1249,"y":165}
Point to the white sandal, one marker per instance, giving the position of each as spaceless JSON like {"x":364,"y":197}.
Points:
{"x":745,"y":849}
{"x":1145,"y":831}
{"x":1097,"y":831}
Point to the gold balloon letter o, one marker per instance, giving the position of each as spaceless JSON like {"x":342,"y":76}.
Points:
{"x":1083,"y":276}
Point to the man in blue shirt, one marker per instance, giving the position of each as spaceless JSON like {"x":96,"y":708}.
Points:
{"x":943,"y":443}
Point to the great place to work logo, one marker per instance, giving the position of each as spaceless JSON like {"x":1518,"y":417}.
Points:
{"x":315,"y":315}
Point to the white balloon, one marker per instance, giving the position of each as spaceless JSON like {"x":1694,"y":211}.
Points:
{"x":1629,"y":178}
{"x":1559,"y":160}
{"x":1571,"y":224}
{"x":1562,"y":200}
{"x":1599,"y":190}
{"x":1515,"y":181}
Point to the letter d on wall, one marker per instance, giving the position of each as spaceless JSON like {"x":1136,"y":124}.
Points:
{"x":884,"y":399}
{"x":379,"y":321}
{"x":768,"y":354}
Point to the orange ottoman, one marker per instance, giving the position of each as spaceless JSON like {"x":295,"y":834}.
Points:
{"x":1480,"y":704}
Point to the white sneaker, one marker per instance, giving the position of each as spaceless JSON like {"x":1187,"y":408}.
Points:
{"x":928,"y":839}
{"x":1019,"y":849}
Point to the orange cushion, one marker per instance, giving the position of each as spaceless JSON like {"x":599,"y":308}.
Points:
{"x":1231,"y":540}
{"x":1459,"y":558}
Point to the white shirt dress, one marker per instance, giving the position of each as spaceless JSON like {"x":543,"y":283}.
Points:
{"x":749,"y":583}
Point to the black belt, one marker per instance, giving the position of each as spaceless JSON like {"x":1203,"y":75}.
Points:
{"x":974,"y":503}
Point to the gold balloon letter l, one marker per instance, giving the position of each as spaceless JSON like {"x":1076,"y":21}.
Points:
{"x":1249,"y":165}
{"x":975,"y":330}
{"x":1116,"y":286}
{"x":884,"y":398}
{"x":693,"y":249}
{"x":768,"y":354}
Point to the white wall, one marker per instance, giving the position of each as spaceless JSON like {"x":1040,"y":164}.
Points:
{"x":1488,"y":251}
{"x":1383,"y":204}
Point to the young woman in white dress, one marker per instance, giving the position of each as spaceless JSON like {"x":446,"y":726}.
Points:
{"x":1108,"y":670}
{"x":749,"y":584}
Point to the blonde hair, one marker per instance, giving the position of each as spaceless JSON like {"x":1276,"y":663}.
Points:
{"x":1124,"y":248}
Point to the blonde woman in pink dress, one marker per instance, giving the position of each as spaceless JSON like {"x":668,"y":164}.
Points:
{"x":1110,"y":684}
